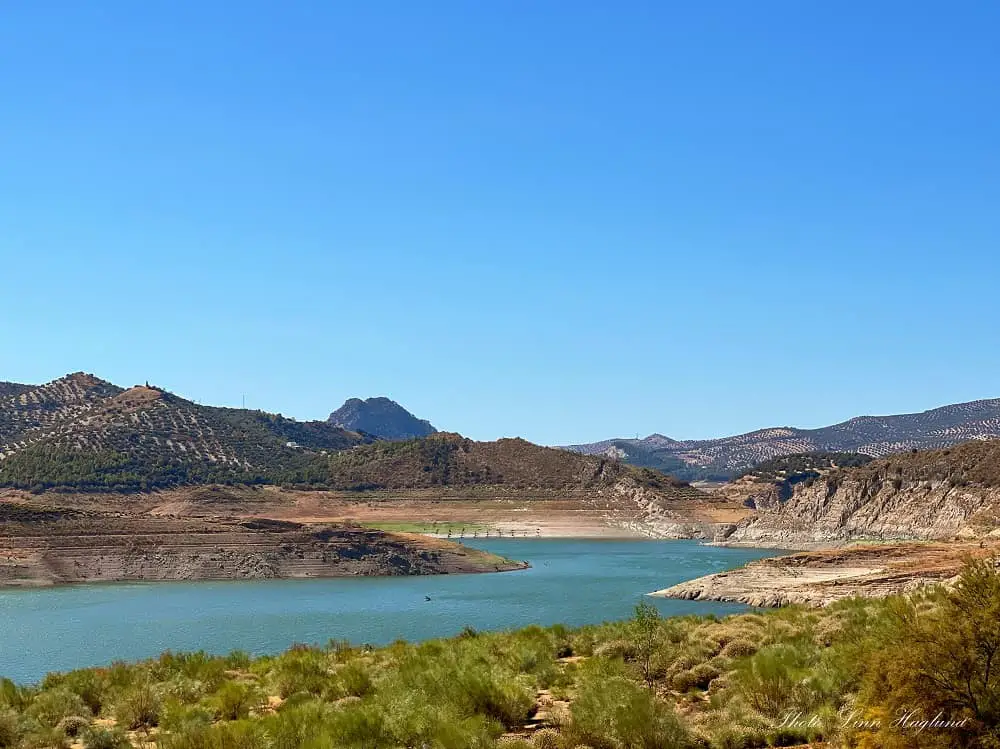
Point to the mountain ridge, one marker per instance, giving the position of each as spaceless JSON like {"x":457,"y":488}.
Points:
{"x":877,"y":436}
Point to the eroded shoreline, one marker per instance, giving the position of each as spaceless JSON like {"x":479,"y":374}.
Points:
{"x":820,"y":577}
{"x":58,"y":546}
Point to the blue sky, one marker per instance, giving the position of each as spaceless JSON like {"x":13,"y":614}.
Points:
{"x":560,"y":220}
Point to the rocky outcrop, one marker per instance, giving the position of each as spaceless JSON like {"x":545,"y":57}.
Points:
{"x":821,"y":577}
{"x":929,"y":495}
{"x":380,"y":417}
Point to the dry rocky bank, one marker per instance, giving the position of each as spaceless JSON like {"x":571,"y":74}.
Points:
{"x":818,"y":578}
{"x":45,"y":547}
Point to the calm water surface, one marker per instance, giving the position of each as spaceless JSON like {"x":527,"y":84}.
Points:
{"x":571,"y":581}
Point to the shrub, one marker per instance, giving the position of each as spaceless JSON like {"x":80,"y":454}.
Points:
{"x":43,"y":737}
{"x":239,"y":660}
{"x":546,"y":738}
{"x":183,"y":689}
{"x":52,"y":705}
{"x":292,"y":726}
{"x":504,"y":699}
{"x":104,"y":738}
{"x":10,"y":733}
{"x":698,"y":677}
{"x":583,"y":643}
{"x":302,"y":670}
{"x":294,"y":700}
{"x":619,"y":713}
{"x":176,"y":715}
{"x":241,"y":734}
{"x":91,"y":687}
{"x":940,"y":655}
{"x":513,"y":742}
{"x":354,"y":680}
{"x":738,"y":648}
{"x":138,"y":707}
{"x":73,"y":725}
{"x":624,"y":649}
{"x":234,"y":700}
{"x":769,"y":679}
{"x":13,"y":696}
{"x":189,"y":737}
{"x":199,"y":666}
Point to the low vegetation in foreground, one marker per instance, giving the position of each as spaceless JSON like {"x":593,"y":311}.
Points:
{"x":858,"y":674}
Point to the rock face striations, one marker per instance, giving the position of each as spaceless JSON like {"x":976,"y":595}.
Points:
{"x":49,"y":546}
{"x":937,"y":494}
{"x":819,"y":578}
{"x":877,"y":436}
{"x":380,"y":417}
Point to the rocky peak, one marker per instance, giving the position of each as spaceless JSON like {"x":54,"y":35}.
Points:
{"x":380,"y":417}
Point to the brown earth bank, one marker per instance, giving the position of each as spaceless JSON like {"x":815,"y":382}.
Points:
{"x":817,"y":578}
{"x":44,"y":546}
{"x":499,"y":510}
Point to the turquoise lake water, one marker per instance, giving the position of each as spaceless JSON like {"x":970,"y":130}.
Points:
{"x":571,"y":581}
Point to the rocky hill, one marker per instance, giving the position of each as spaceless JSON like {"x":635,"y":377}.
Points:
{"x":935,"y":494}
{"x":447,"y":459}
{"x":80,"y":432}
{"x":380,"y":417}
{"x":877,"y":436}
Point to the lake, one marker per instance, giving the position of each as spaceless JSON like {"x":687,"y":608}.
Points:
{"x":572,"y":581}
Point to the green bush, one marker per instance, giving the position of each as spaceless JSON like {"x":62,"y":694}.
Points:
{"x":301,"y":670}
{"x":941,"y":654}
{"x":104,"y":738}
{"x":353,"y":680}
{"x":234,"y":700}
{"x":91,"y":687}
{"x":176,"y":715}
{"x":241,"y":734}
{"x":739,"y":648}
{"x":619,"y":714}
{"x":37,"y":736}
{"x":10,"y":732}
{"x":13,"y":696}
{"x":624,"y":649}
{"x":770,"y":679}
{"x":138,"y":707}
{"x":51,"y":706}
{"x":698,"y":677}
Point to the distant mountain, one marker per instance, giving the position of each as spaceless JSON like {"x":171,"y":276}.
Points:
{"x":380,"y":417}
{"x":81,"y":432}
{"x":871,"y":435}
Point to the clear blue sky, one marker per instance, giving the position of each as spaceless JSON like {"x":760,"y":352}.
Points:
{"x":560,"y":220}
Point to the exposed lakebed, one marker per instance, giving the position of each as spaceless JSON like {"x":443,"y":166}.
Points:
{"x":572,"y":581}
